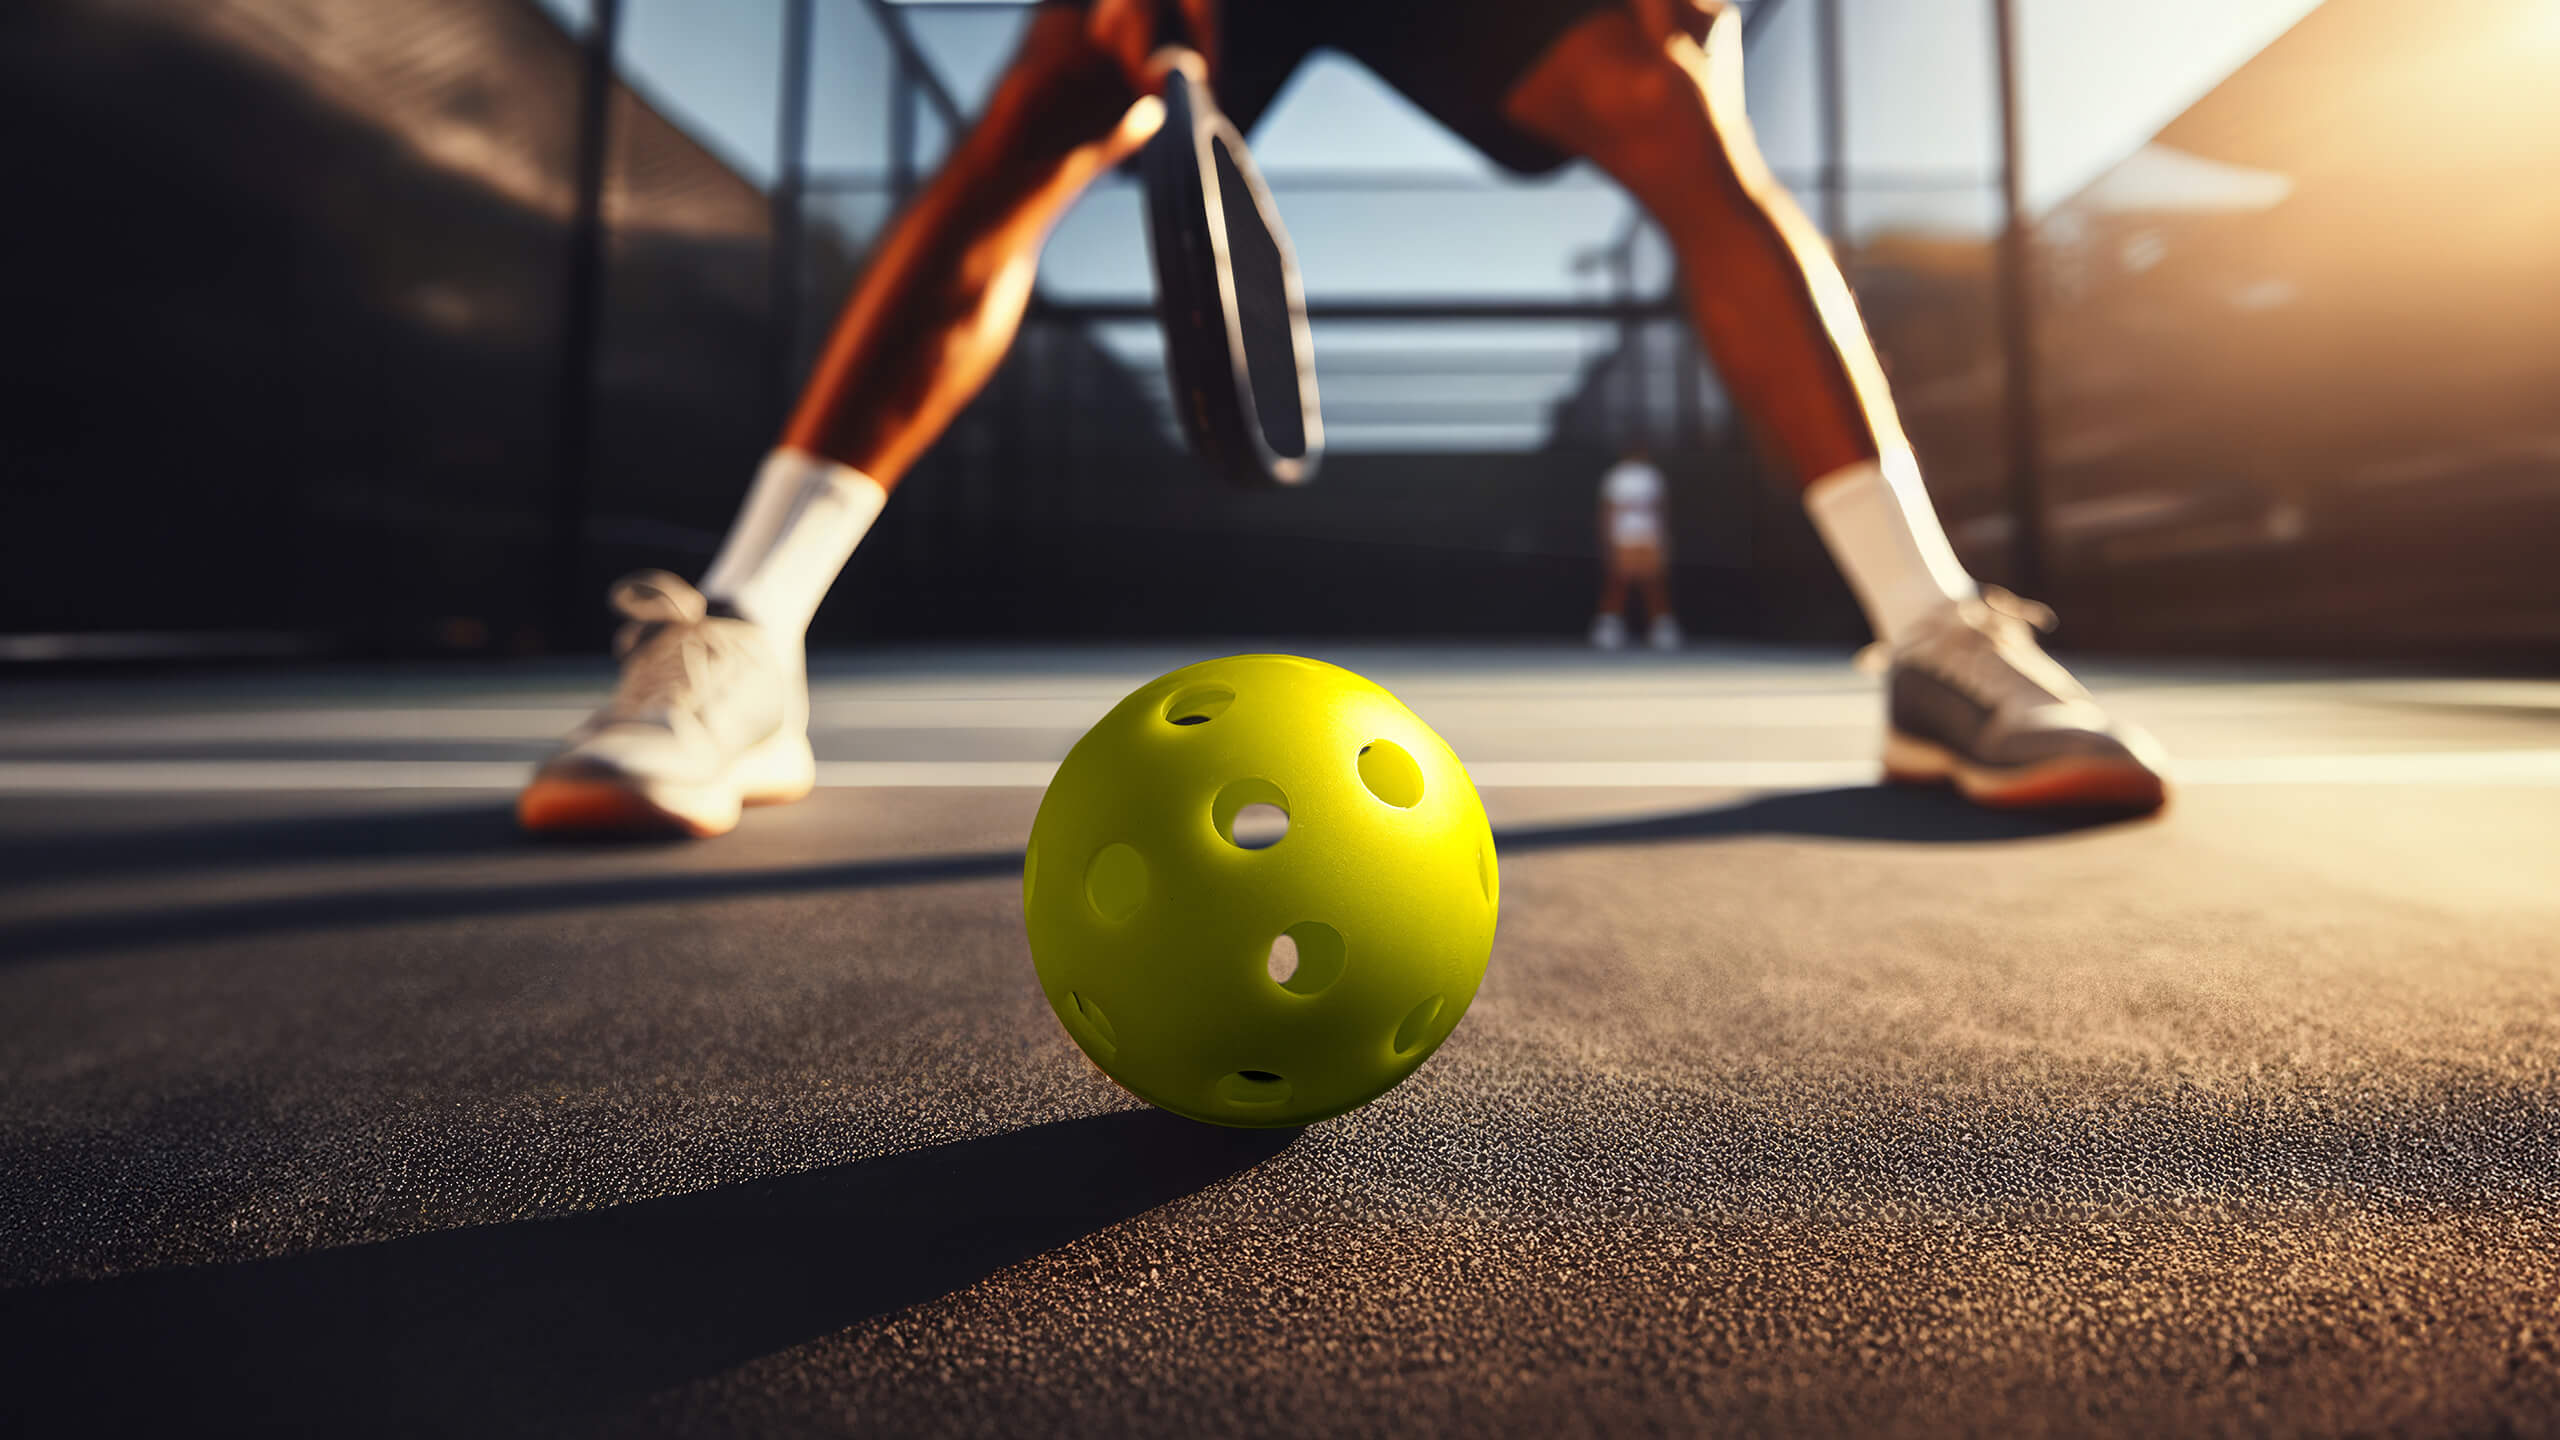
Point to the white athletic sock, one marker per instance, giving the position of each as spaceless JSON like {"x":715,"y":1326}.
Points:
{"x":798,"y":526}
{"x":1884,"y":535}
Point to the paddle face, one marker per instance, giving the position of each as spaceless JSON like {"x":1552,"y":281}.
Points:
{"x":1235,"y":316}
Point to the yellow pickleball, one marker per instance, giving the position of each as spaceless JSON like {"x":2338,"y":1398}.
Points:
{"x":1233,"y":977}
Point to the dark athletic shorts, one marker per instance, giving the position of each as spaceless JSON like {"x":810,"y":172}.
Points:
{"x":1456,"y":59}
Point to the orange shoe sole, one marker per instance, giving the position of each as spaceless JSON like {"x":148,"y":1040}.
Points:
{"x":775,"y":772}
{"x":602,"y":807}
{"x":2071,"y":783}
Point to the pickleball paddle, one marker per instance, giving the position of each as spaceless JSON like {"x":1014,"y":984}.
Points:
{"x":1237,"y":348}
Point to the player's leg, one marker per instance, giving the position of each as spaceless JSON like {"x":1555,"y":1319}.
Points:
{"x":1662,"y":627}
{"x":712,"y":709}
{"x":938,"y":306}
{"x":1609,"y":623}
{"x":1974,"y":699}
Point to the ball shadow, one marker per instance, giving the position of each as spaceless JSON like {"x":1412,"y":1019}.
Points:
{"x":463,"y":1329}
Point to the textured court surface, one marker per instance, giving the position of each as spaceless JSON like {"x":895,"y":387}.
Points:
{"x":1789,"y":1104}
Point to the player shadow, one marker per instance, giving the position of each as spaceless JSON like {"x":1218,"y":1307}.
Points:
{"x":214,"y":921}
{"x":1873,"y":813}
{"x":479,"y":827}
{"x":1898,"y":813}
{"x":460,"y":1330}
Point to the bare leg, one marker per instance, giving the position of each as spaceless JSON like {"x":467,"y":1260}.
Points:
{"x":938,"y":305}
{"x":1657,"y":598}
{"x":1666,"y":119}
{"x":1972,"y":699}
{"x":928,"y":322}
{"x":930,"y":319}
{"x":1613,"y":592}
{"x":1667,"y":122}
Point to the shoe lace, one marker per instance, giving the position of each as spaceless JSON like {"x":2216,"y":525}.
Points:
{"x":1987,"y":648}
{"x":672,"y":662}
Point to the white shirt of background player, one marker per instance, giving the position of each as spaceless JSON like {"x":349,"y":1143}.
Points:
{"x":1632,"y":490}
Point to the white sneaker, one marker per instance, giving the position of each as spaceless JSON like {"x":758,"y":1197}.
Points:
{"x":710,"y":715}
{"x":1974,"y":702}
{"x":1664,"y":633}
{"x":1609,"y":632}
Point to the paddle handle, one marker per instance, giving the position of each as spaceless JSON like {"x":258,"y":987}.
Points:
{"x":1168,"y":60}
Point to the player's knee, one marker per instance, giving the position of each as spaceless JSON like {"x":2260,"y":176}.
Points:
{"x":1650,"y":118}
{"x":1063,"y":111}
{"x":1637,"y":108}
{"x":1061,"y":93}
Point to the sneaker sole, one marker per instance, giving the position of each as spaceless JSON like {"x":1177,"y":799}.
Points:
{"x":2070,"y":783}
{"x":775,"y":772}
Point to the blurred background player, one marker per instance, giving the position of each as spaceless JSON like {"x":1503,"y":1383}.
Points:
{"x":1635,"y":551}
{"x":712,"y":709}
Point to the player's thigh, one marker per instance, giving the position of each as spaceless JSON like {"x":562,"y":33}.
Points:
{"x":1059,"y":92}
{"x":1063,"y":86}
{"x":1608,"y":91}
{"x":1640,"y":561}
{"x":1459,"y":60}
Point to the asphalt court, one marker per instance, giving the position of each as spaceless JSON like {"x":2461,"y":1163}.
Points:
{"x":1790,"y":1103}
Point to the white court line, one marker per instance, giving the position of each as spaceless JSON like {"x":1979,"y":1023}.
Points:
{"x":1073,"y":716}
{"x":1647,"y":774}
{"x":165,"y":777}
{"x":2454,"y":767}
{"x":2421,"y":767}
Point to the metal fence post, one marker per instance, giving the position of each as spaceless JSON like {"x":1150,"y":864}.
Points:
{"x":1833,"y":83}
{"x":2023,"y":439}
{"x":790,"y":186}
{"x":582,"y":283}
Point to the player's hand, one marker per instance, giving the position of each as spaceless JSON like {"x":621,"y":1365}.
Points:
{"x":1133,"y":31}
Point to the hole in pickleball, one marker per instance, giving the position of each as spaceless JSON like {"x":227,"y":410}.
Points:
{"x":1100,"y":1022}
{"x":1417,"y":1024}
{"x":1259,"y":827}
{"x":1199,"y":705}
{"x":1391,"y":774}
{"x":1116,"y":882}
{"x":1315,"y":955}
{"x":1253,"y":1087}
{"x":1484,"y":871}
{"x":1250,"y":814}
